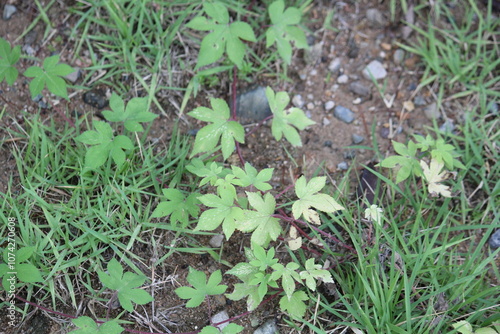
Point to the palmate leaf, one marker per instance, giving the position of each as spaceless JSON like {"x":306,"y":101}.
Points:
{"x":286,"y":121}
{"x":284,"y":29}
{"x":201,"y":287}
{"x":308,"y":195}
{"x":223,"y":36}
{"x":125,"y":285}
{"x":178,"y":206}
{"x":50,"y":75}
{"x":294,"y":305}
{"x":104,"y":145}
{"x":223,"y":211}
{"x":131,"y":116}
{"x":221,"y":128}
{"x":264,"y":226}
{"x":8,"y":58}
{"x":249,"y":176}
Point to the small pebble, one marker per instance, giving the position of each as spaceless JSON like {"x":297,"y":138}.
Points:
{"x":343,"y":165}
{"x":310,"y":96}
{"x":334,"y":65}
{"x":431,"y":111}
{"x":192,"y":132}
{"x":447,"y":127}
{"x":328,"y":143}
{"x":310,"y":106}
{"x":384,"y":132}
{"x":221,"y":316}
{"x":31,"y":37}
{"x":357,"y":100}
{"x":269,"y":327}
{"x":419,"y":101}
{"x":344,"y":114}
{"x":329,"y":105}
{"x":298,"y":101}
{"x":357,"y":139}
{"x":399,"y":56}
{"x":375,"y":18}
{"x":342,"y":79}
{"x":375,"y":69}
{"x":8,"y":11}
{"x":313,"y":72}
{"x":74,"y":76}
{"x":495,"y":239}
{"x":326,"y":121}
{"x":96,"y":98}
{"x":493,"y":108}
{"x":357,"y":87}
{"x":350,"y":154}
{"x":216,"y":240}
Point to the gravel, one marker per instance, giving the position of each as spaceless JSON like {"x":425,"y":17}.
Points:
{"x":342,"y":79}
{"x":399,"y":56}
{"x":329,"y":105}
{"x":357,"y":139}
{"x":8,"y":11}
{"x":375,"y":18}
{"x":269,"y":327}
{"x":252,"y":106}
{"x":343,"y":165}
{"x":344,"y":114}
{"x":495,"y":239}
{"x":376,"y":69}
{"x":334,"y":65}
{"x":357,"y":87}
{"x":216,"y":240}
{"x":431,"y":111}
{"x":298,"y":101}
{"x":219,"y":317}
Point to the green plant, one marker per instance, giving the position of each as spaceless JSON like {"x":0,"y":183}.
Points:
{"x":201,"y":287}
{"x":224,"y":36}
{"x":105,"y":143}
{"x":257,"y":280}
{"x":49,"y":75}
{"x":8,"y":58}
{"x":13,"y":268}
{"x":125,"y":285}
{"x":88,"y":326}
{"x":464,"y":327}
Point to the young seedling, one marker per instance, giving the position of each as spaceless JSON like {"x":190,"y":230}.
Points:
{"x":125,"y":285}
{"x":88,"y":326}
{"x":49,"y":75}
{"x":201,"y":287}
{"x":25,"y":272}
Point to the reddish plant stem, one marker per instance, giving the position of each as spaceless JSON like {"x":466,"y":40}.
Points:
{"x":234,"y":118}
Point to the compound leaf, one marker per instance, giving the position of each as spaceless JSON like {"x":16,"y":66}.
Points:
{"x":49,"y":75}
{"x":201,"y":287}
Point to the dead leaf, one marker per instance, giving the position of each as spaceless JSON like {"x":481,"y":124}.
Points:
{"x":434,"y":177}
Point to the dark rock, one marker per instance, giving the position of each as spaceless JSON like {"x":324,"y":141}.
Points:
{"x":495,"y":239}
{"x":328,"y":143}
{"x":344,"y":114}
{"x":96,"y":98}
{"x":384,"y":132}
{"x":350,"y":154}
{"x":31,"y":37}
{"x":353,"y":48}
{"x":357,"y":87}
{"x":252,"y":106}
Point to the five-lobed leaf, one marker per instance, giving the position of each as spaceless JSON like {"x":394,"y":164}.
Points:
{"x":105,"y":145}
{"x":224,"y":36}
{"x":125,"y":285}
{"x":250,"y":176}
{"x":294,"y":305}
{"x":308,"y":195}
{"x":88,"y":326}
{"x":264,"y":226}
{"x":434,"y":177}
{"x":50,"y":75}
{"x":131,"y":116}
{"x":178,"y":206}
{"x":221,"y":128}
{"x":8,"y":58}
{"x":201,"y":287}
{"x":284,"y":29}
{"x":286,"y":121}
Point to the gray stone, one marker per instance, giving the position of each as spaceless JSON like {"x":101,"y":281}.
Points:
{"x":252,"y":106}
{"x":493,"y":108}
{"x":375,"y":69}
{"x":431,"y":111}
{"x":74,"y":76}
{"x":216,"y":240}
{"x":349,"y":154}
{"x":326,"y":121}
{"x":357,"y":139}
{"x":219,"y":317}
{"x":310,"y":106}
{"x":375,"y":18}
{"x":8,"y":11}
{"x":343,"y":165}
{"x":342,"y":79}
{"x":329,"y":105}
{"x":313,"y":55}
{"x":398,"y":56}
{"x":31,"y":37}
{"x":344,"y":114}
{"x":495,"y":239}
{"x":328,"y":143}
{"x":269,"y":327}
{"x":298,"y":101}
{"x":334,"y":65}
{"x":419,"y":100}
{"x":357,"y":87}
{"x":447,"y":127}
